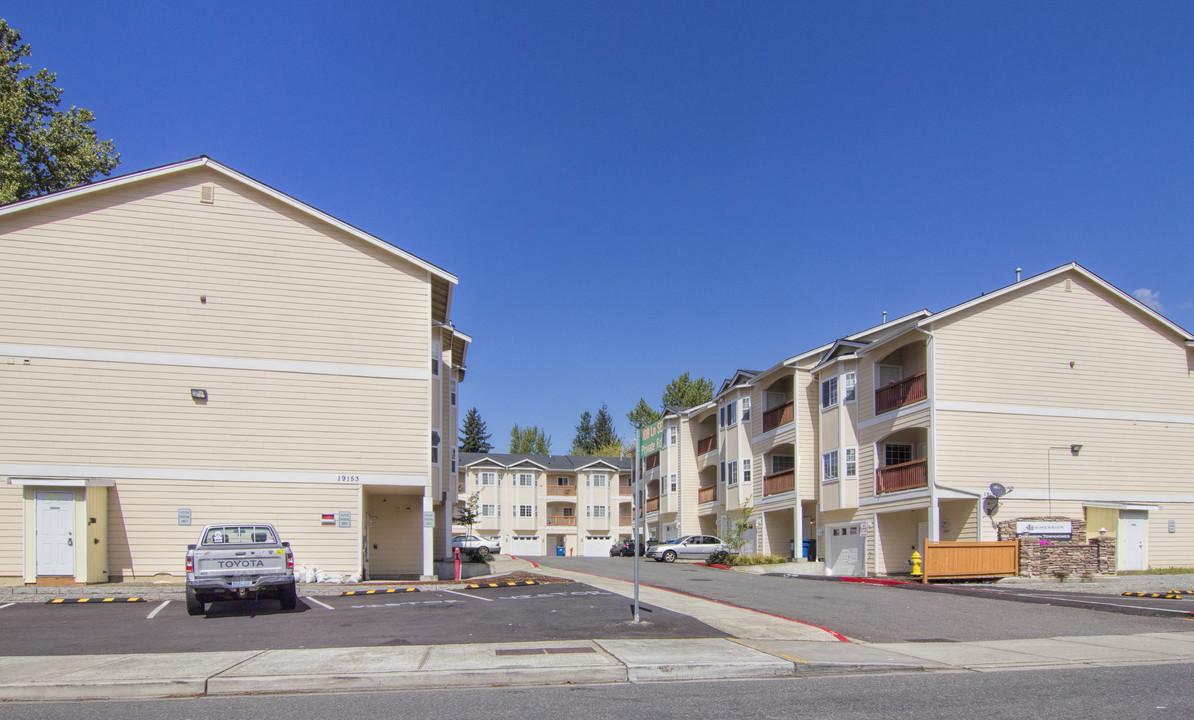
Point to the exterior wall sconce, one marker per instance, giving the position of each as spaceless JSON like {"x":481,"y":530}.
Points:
{"x":1075,"y":449}
{"x":199,"y":394}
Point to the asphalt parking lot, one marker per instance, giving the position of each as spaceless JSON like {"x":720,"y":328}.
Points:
{"x":428,"y":617}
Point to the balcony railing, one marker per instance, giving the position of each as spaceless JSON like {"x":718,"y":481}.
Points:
{"x":705,"y":445}
{"x":779,"y":415}
{"x":904,"y":476}
{"x":566,"y":520}
{"x":780,"y":482}
{"x":625,"y":489}
{"x":652,"y":461}
{"x":460,"y":488}
{"x":564,"y":490}
{"x":899,"y":394}
{"x":625,"y":520}
{"x":653,"y":504}
{"x":707,"y":494}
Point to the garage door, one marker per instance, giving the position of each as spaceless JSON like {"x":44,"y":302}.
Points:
{"x":846,"y":551}
{"x":526,"y":546}
{"x":597,"y":545}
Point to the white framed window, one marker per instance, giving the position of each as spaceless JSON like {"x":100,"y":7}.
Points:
{"x":435,"y":446}
{"x":435,"y":353}
{"x":731,"y":414}
{"x":722,"y":471}
{"x":732,"y":469}
{"x":897,"y":453}
{"x":673,"y":434}
{"x":850,"y":387}
{"x":598,"y":511}
{"x":829,"y":466}
{"x":453,"y":392}
{"x":489,"y":511}
{"x":561,"y":481}
{"x":721,"y":416}
{"x":489,"y":478}
{"x":672,"y":484}
{"x":746,"y":471}
{"x":526,"y":511}
{"x":598,"y":480}
{"x":829,"y":393}
{"x":745,"y":409}
{"x":453,"y":459}
{"x":779,"y":463}
{"x":526,"y":480}
{"x":851,"y":462}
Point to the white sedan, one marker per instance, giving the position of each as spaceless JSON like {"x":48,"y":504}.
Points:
{"x":473,"y":542}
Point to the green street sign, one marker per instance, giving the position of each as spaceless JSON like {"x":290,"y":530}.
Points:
{"x":650,"y":438}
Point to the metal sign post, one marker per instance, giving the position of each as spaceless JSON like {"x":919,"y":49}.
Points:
{"x":649,"y":439}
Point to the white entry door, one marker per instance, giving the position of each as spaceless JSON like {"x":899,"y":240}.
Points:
{"x":54,"y":532}
{"x":1132,"y":525}
{"x":846,"y":551}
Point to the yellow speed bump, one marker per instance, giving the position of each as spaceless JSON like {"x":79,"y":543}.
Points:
{"x":478,"y":586}
{"x":378,"y":592}
{"x":100,"y":601}
{"x":1172,"y":595}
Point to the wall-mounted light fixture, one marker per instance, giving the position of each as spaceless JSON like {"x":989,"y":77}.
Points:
{"x":1075,"y":449}
{"x":198,"y":394}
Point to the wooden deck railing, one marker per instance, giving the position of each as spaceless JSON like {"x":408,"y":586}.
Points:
{"x":568,"y":520}
{"x":707,"y":494}
{"x":652,"y":461}
{"x":780,"y":482}
{"x":705,"y":445}
{"x":904,"y":476}
{"x":625,"y":520}
{"x":899,"y":394}
{"x":625,"y":489}
{"x":653,"y":504}
{"x":460,"y":488}
{"x":564,"y":490}
{"x":778,"y":415}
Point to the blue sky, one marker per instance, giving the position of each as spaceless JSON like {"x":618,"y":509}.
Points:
{"x":628,"y":191}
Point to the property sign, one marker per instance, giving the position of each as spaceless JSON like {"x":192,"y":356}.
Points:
{"x":1046,"y":530}
{"x":650,"y":438}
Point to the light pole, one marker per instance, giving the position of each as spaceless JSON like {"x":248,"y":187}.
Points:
{"x":1074,"y":449}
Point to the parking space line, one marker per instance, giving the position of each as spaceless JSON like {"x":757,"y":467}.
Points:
{"x":7,"y":605}
{"x":157,"y":610}
{"x":474,"y":597}
{"x":1109,"y":604}
{"x":322,"y":605}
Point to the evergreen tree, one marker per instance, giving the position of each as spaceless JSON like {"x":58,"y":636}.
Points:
{"x":584,"y":442}
{"x":643,"y":415}
{"x":604,"y":433}
{"x":473,"y":435}
{"x":529,"y":441}
{"x":686,"y":392}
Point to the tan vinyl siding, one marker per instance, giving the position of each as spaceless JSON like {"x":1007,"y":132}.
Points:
{"x":11,"y":531}
{"x":1018,"y":351}
{"x":144,"y":538}
{"x":118,"y":414}
{"x":808,"y":458}
{"x":1170,"y":549}
{"x":125,"y":269}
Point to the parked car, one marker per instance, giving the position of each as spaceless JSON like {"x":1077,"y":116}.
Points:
{"x":624,"y":548}
{"x":239,"y":561}
{"x":692,"y":547}
{"x":473,"y":542}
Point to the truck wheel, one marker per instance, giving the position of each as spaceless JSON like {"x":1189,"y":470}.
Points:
{"x":669,"y":556}
{"x":194,"y":603}
{"x":288,"y":597}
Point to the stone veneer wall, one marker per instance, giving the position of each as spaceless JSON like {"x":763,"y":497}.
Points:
{"x":1060,"y":558}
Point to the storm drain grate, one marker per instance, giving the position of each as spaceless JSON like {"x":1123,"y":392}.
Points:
{"x":543,"y":651}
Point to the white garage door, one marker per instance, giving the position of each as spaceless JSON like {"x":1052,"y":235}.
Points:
{"x":846,"y":551}
{"x":526,"y":546}
{"x":597,"y":545}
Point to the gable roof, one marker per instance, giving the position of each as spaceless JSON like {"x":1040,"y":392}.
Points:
{"x":442,"y":280}
{"x":560,"y":463}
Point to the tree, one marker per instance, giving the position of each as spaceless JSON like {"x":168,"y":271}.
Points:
{"x":604,"y":433}
{"x":643,"y":415}
{"x":469,"y":512}
{"x":42,"y":149}
{"x":735,"y":530}
{"x":686,"y":392}
{"x":529,"y":441}
{"x":617,"y":448}
{"x":473,"y":435}
{"x":584,"y":442}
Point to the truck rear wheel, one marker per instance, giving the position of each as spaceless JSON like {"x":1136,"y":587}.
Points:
{"x":288,"y":597}
{"x":194,"y":602}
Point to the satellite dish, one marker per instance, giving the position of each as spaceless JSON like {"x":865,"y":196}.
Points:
{"x":998,"y":490}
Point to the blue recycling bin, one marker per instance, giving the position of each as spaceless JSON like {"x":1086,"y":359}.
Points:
{"x":808,"y":549}
{"x":560,"y":551}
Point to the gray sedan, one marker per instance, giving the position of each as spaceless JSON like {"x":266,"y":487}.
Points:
{"x":694,"y":547}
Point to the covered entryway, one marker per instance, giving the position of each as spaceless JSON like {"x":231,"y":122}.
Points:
{"x":845,"y":550}
{"x":1133,"y":534}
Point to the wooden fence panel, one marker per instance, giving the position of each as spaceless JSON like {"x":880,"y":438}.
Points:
{"x":971,"y":559}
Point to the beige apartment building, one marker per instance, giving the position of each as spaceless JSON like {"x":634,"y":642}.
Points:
{"x":536,"y":505}
{"x":187,"y":345}
{"x":1061,"y":387}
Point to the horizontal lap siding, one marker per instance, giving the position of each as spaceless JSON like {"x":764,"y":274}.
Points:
{"x":1171,"y":549}
{"x":11,"y":531}
{"x":144,"y":537}
{"x":1018,"y":351}
{"x":125,"y":269}
{"x":72,"y":412}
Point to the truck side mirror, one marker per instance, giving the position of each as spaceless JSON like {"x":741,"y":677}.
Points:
{"x":285,"y":543}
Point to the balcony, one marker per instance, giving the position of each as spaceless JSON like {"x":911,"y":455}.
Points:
{"x":653,"y":504}
{"x":652,"y":462}
{"x":625,"y":489}
{"x":625,"y":520}
{"x":905,"y":476}
{"x":780,"y":482}
{"x":778,"y":416}
{"x":562,"y":520}
{"x":707,"y":494}
{"x":460,"y":488}
{"x":708,"y":444}
{"x":562,"y":490}
{"x":901,"y":393}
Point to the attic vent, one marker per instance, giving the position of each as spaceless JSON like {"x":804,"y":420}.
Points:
{"x":207,"y":194}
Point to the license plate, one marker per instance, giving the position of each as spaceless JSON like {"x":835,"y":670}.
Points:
{"x":242,"y":582}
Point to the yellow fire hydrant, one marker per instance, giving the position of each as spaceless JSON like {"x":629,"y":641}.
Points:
{"x":915,"y":562}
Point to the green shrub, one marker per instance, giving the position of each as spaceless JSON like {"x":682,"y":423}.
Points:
{"x":757,"y":559}
{"x":721,"y":557}
{"x":481,"y":555}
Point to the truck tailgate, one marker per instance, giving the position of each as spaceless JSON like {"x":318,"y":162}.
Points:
{"x":240,"y":562}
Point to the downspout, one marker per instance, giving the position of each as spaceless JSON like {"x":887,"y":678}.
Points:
{"x":931,"y":464}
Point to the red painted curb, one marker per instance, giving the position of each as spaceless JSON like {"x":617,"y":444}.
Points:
{"x":876,"y":581}
{"x":718,"y":566}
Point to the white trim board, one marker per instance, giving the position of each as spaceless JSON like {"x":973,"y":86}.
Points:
{"x":214,"y":361}
{"x":999,"y":409}
{"x":96,"y":474}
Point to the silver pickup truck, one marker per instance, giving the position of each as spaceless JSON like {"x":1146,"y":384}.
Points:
{"x":237,"y":561}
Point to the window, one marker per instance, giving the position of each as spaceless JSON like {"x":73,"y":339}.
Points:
{"x":434,"y":447}
{"x":745,"y":409}
{"x":526,"y":511}
{"x":435,"y":353}
{"x":897,"y":453}
{"x":526,"y":480}
{"x":453,"y":459}
{"x":722,"y":471}
{"x":829,"y":393}
{"x":721,"y":417}
{"x":561,"y":481}
{"x":779,"y":463}
{"x":488,"y":478}
{"x":568,"y":512}
{"x":829,"y":466}
{"x":489,"y":511}
{"x":851,"y":462}
{"x":672,"y":485}
{"x":672,"y":434}
{"x":850,"y":387}
{"x":598,"y":480}
{"x":731,"y":414}
{"x":745,"y":468}
{"x":732,"y":468}
{"x":453,"y":392}
{"x":598,"y":511}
